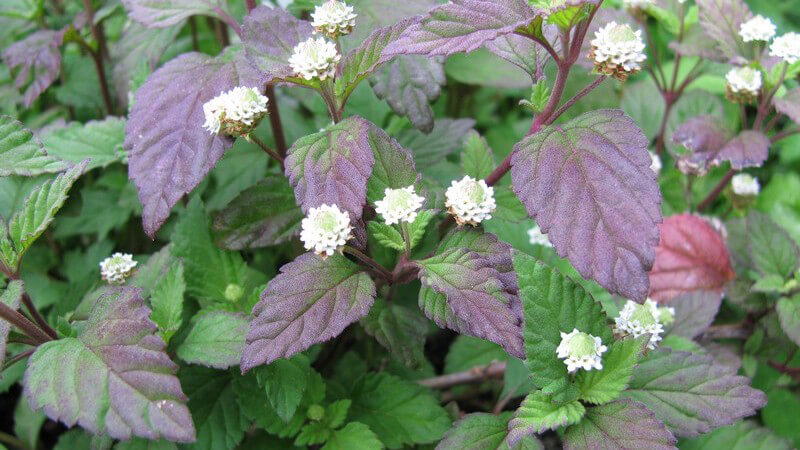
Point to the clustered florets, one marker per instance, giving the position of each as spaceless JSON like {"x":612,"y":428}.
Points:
{"x":637,"y":4}
{"x":315,"y":59}
{"x":325,"y":230}
{"x":470,"y":201}
{"x":744,"y":83}
{"x":745,"y":185}
{"x":617,"y":50}
{"x":117,"y":268}
{"x":236,"y":112}
{"x":333,"y":18}
{"x":399,"y":205}
{"x":787,"y":47}
{"x":759,"y":28}
{"x":636,"y":320}
{"x":581,"y":351}
{"x":536,"y":237}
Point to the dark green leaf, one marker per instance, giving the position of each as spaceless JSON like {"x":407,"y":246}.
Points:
{"x":216,"y":339}
{"x":538,"y":413}
{"x":386,"y":235}
{"x":602,"y":386}
{"x":354,"y":436}
{"x":285,"y":381}
{"x":399,"y":329}
{"x":23,"y":154}
{"x":98,"y":141}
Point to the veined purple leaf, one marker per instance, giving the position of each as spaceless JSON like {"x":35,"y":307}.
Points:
{"x":115,"y":378}
{"x":789,"y":104}
{"x":310,"y":301}
{"x":705,"y":136}
{"x":375,"y":14}
{"x":462,"y":26}
{"x":694,"y":312}
{"x":11,"y":297}
{"x":37,"y":61}
{"x":721,"y":20}
{"x":170,"y":151}
{"x":409,"y":84}
{"x":269,"y":36}
{"x":690,"y":393}
{"x":332,"y":166}
{"x":164,"y":13}
{"x":483,"y":431}
{"x":621,"y":424}
{"x":748,"y":149}
{"x":589,"y":185}
{"x":521,"y":51}
{"x":446,"y":137}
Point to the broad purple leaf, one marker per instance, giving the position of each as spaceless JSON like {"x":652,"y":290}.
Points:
{"x":332,"y":166}
{"x":170,"y":151}
{"x":409,"y":84}
{"x":691,"y":256}
{"x":721,"y":20}
{"x":269,"y":36}
{"x":484,"y":431}
{"x":692,"y":394}
{"x":521,"y":51}
{"x":11,"y":297}
{"x":462,"y":26}
{"x":376,"y":14}
{"x":114,"y":378}
{"x":789,"y":104}
{"x":36,"y":61}
{"x":165,"y":13}
{"x":589,"y":185}
{"x":748,"y":149}
{"x":623,"y":424}
{"x":705,"y":136}
{"x":694,"y":312}
{"x":310,"y":301}
{"x":446,"y":137}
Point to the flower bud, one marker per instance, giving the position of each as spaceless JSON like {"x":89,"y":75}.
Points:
{"x":581,"y":351}
{"x":617,"y":51}
{"x":470,"y":201}
{"x":743,"y":86}
{"x":399,"y":205}
{"x":315,"y":59}
{"x":333,"y":18}
{"x":637,"y":320}
{"x":236,"y":112}
{"x":325,"y":230}
{"x":117,"y":268}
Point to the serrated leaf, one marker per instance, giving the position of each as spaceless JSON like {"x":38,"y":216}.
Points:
{"x":788,"y":309}
{"x":481,"y":431}
{"x":589,"y":180}
{"x":22,"y":154}
{"x":11,"y":297}
{"x":394,"y":165}
{"x":164,"y":13}
{"x":310,"y":301}
{"x":375,"y":14}
{"x":745,"y":435}
{"x":409,"y":84}
{"x":603,"y":386}
{"x":539,"y":413}
{"x":705,"y":136}
{"x":690,"y":393}
{"x":759,"y":244}
{"x":386,"y":235}
{"x":36,"y":61}
{"x":170,"y":152}
{"x":28,"y":423}
{"x":691,"y":256}
{"x":446,"y":137}
{"x":99,"y":141}
{"x":216,"y":339}
{"x":285,"y":381}
{"x":147,"y":276}
{"x":521,"y":51}
{"x":416,"y":230}
{"x":167,"y":302}
{"x":145,"y":444}
{"x":114,"y":378}
{"x":789,"y":104}
{"x":721,"y":20}
{"x":332,"y":166}
{"x":553,"y":304}
{"x":399,"y":329}
{"x":261,"y":216}
{"x":620,"y":424}
{"x":269,"y":36}
{"x":477,"y":159}
{"x":354,"y":436}
{"x":221,"y":424}
{"x":694,"y":312}
{"x":748,"y":149}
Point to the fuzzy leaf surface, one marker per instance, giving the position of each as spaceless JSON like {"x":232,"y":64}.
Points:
{"x":394,"y":165}
{"x":353,"y":436}
{"x":477,"y":159}
{"x":409,"y":84}
{"x":788,"y":309}
{"x":745,"y":435}
{"x":11,"y":297}
{"x":789,"y":104}
{"x":22,"y":154}
{"x":285,"y":381}
{"x":721,"y":19}
{"x":623,"y":424}
{"x":164,"y":13}
{"x":36,"y":61}
{"x":269,"y":36}
{"x":482,"y":431}
{"x":446,"y":137}
{"x":759,"y":244}
{"x":221,"y":422}
{"x":167,"y":301}
{"x":705,"y":136}
{"x":217,"y":339}
{"x":748,"y":149}
{"x":603,"y":386}
{"x":539,"y":413}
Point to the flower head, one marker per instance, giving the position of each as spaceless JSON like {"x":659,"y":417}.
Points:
{"x":325,"y":230}
{"x":470,"y":201}
{"x":637,"y":4}
{"x":399,"y":205}
{"x":617,"y":50}
{"x":759,"y":28}
{"x":333,"y":18}
{"x":581,"y":351}
{"x":315,"y":59}
{"x":655,"y":164}
{"x":786,"y":47}
{"x":743,"y":84}
{"x":117,"y":267}
{"x":538,"y":238}
{"x":666,"y":315}
{"x":636,"y":320}
{"x":236,"y":112}
{"x":745,"y":185}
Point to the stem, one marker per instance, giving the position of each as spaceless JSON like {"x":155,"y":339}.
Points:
{"x":406,"y":238}
{"x":716,"y":191}
{"x":101,"y":75}
{"x":193,"y":31}
{"x":26,"y":299}
{"x":766,"y":102}
{"x":784,"y":134}
{"x":18,"y":320}
{"x":793,"y":372}
{"x":664,"y":120}
{"x":499,"y":171}
{"x":358,"y":254}
{"x":743,"y":115}
{"x":228,"y":20}
{"x":97,"y":32}
{"x":251,"y":5}
{"x":275,"y":121}
{"x":575,"y":99}
{"x":19,"y":357}
{"x":474,"y":375}
{"x":13,"y":441}
{"x":546,"y":45}
{"x":266,"y":149}
{"x":774,"y":121}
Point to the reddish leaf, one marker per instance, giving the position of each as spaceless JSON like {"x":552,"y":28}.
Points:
{"x":705,"y":136}
{"x":269,"y":36}
{"x":37,"y":60}
{"x":789,"y":104}
{"x":721,"y":20}
{"x":622,"y":424}
{"x":748,"y":149}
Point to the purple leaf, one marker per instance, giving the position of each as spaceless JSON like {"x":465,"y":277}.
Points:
{"x":705,"y":136}
{"x":623,"y":424}
{"x":748,"y":149}
{"x":446,"y":137}
{"x":521,"y":51}
{"x":409,"y":84}
{"x":332,"y":166}
{"x":789,"y":104}
{"x":269,"y":36}
{"x":694,"y":312}
{"x":115,"y":378}
{"x":721,"y":20}
{"x":310,"y":301}
{"x":589,"y":185}
{"x":462,"y":26}
{"x":37,"y":60}
{"x":170,"y":151}
{"x":164,"y":13}
{"x":690,"y":393}
{"x":375,"y":14}
{"x":11,"y":297}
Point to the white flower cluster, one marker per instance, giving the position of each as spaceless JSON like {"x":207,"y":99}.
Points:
{"x":235,"y":112}
{"x":333,"y":18}
{"x":787,"y":47}
{"x":325,"y":230}
{"x":617,"y":50}
{"x":470,"y":201}
{"x":655,"y":164}
{"x":759,"y":28}
{"x":117,"y":267}
{"x":744,"y":80}
{"x":581,"y":351}
{"x":538,"y":238}
{"x":399,"y":205}
{"x":636,"y":320}
{"x":634,"y":4}
{"x":745,"y":185}
{"x":315,"y":59}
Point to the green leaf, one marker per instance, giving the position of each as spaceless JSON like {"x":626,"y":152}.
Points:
{"x":167,"y":301}
{"x":417,"y":229}
{"x":336,"y":413}
{"x":408,"y":84}
{"x":759,"y":244}
{"x":313,"y":433}
{"x":477,"y":158}
{"x":602,"y":386}
{"x":553,"y":303}
{"x":508,"y":205}
{"x":40,"y":209}
{"x":744,"y":435}
{"x":22,"y":154}
{"x":145,"y":444}
{"x":386,"y":235}
{"x":99,"y":141}
{"x":399,"y":329}
{"x":788,"y":309}
{"x":619,"y":424}
{"x":285,"y":382}
{"x":776,"y":414}
{"x":354,"y":436}
{"x":393,"y":168}
{"x":538,"y":412}
{"x":149,"y":275}
{"x":481,"y":431}
{"x":27,"y":423}
{"x":217,"y":339}
{"x":11,"y":297}
{"x":467,"y":352}
{"x":220,"y":423}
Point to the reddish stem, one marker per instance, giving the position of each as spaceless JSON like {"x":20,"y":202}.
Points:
{"x":716,"y":191}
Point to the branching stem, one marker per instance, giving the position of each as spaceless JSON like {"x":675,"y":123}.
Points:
{"x":18,"y":320}
{"x":716,"y":191}
{"x":475,"y":375}
{"x":266,"y":149}
{"x":375,"y":265}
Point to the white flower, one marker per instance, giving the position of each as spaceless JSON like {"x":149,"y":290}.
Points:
{"x":117,"y":267}
{"x":759,"y":28}
{"x":470,"y":201}
{"x":787,"y":47}
{"x":744,"y":80}
{"x":617,"y":50}
{"x":636,"y":320}
{"x":315,"y":58}
{"x":538,"y":238}
{"x":325,"y":229}
{"x":655,"y":164}
{"x":333,"y":18}
{"x":666,"y":315}
{"x":745,"y":185}
{"x":581,"y":351}
{"x":637,"y":3}
{"x":235,"y":112}
{"x":399,"y":205}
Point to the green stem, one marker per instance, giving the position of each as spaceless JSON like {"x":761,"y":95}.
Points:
{"x":406,"y":238}
{"x":18,"y":320}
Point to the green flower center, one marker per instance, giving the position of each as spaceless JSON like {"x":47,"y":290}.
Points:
{"x":581,"y":345}
{"x":327,"y":221}
{"x":233,"y":292}
{"x":398,"y":200}
{"x":644,"y":316}
{"x":747,"y":74}
{"x":475,"y":193}
{"x":622,"y":33}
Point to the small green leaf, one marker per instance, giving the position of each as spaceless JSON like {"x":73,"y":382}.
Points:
{"x":399,"y":329}
{"x":167,"y":301}
{"x":789,"y":314}
{"x":602,"y":386}
{"x":99,"y":141}
{"x":354,"y":436}
{"x":746,"y":435}
{"x":477,"y":158}
{"x":285,"y":381}
{"x":336,"y":413}
{"x":217,"y":339}
{"x":386,"y":235}
{"x":538,"y":412}
{"x":22,"y":154}
{"x":313,"y":433}
{"x":417,"y":229}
